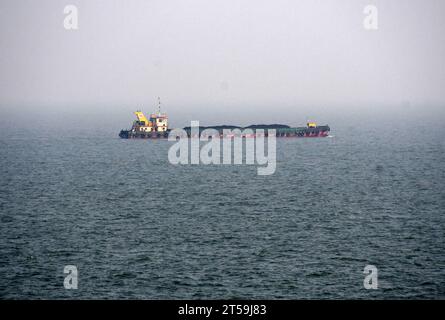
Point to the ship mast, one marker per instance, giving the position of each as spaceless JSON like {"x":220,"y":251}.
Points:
{"x":159,"y":106}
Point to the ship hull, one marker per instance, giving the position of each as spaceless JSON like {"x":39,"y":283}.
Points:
{"x":128,"y":134}
{"x":280,"y":132}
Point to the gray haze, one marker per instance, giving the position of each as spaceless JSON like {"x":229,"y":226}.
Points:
{"x":226,"y":60}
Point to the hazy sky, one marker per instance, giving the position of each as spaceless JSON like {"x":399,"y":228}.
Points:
{"x":250,"y":56}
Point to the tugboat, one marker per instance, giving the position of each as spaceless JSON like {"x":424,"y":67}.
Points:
{"x":148,"y":128}
{"x":156,"y":126}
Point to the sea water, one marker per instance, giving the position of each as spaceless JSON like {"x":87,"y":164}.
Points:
{"x":136,"y":226}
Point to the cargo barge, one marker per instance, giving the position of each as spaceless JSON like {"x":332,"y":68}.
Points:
{"x":156,"y":127}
